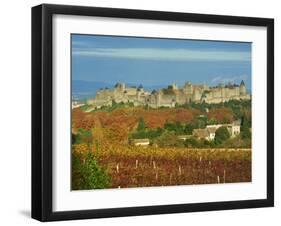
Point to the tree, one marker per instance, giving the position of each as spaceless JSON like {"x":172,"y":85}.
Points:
{"x":222,"y":135}
{"x":148,"y":133}
{"x":73,"y":138}
{"x":199,"y":122}
{"x":221,"y":114}
{"x":169,"y":126}
{"x":189,"y":128}
{"x":245,"y":132}
{"x":82,"y":136}
{"x":176,"y":127}
{"x":191,"y":143}
{"x":179,"y":129}
{"x":141,"y":125}
{"x":212,"y":121}
{"x":169,"y":139}
{"x":117,"y":132}
{"x":245,"y":121}
{"x":245,"y":128}
{"x":87,"y":174}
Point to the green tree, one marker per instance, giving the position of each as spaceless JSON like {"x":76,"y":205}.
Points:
{"x":246,"y":121}
{"x":148,"y":133}
{"x":73,"y":138}
{"x":245,"y":128}
{"x":169,"y":126}
{"x":82,"y":136}
{"x":245,"y":132}
{"x":177,"y":127}
{"x":212,"y":121}
{"x":191,"y":143}
{"x":222,"y":135}
{"x":169,"y":139}
{"x":189,"y":128}
{"x":141,"y":125}
{"x":139,"y":135}
{"x":201,"y":122}
{"x":87,"y":174}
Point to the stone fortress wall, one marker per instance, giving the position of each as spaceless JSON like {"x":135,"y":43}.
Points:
{"x":170,"y":96}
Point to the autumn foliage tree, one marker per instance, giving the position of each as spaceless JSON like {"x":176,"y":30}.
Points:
{"x":221,"y":115}
{"x":124,"y":122}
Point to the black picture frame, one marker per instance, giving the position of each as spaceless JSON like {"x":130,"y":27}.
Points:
{"x":42,"y":106}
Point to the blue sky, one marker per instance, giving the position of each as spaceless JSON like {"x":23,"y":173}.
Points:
{"x":153,"y":61}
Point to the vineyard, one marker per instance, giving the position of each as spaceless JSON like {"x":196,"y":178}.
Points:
{"x":140,"y":167}
{"x":115,"y":163}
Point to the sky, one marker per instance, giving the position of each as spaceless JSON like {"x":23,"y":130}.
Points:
{"x":154,"y":61}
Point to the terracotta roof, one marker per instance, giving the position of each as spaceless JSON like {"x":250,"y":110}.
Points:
{"x":211,"y":130}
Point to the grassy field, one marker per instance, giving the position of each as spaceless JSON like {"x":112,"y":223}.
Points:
{"x":141,"y":167}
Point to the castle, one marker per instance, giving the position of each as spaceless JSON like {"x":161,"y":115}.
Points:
{"x":170,"y":96}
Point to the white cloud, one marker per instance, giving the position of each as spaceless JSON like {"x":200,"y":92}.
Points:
{"x":164,"y":54}
{"x":225,"y":80}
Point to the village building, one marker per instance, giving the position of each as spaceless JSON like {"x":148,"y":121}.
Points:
{"x":209,"y":132}
{"x":206,"y":133}
{"x":201,"y":134}
{"x":140,"y":142}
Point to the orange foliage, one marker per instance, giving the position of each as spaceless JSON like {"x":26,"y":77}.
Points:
{"x":118,"y":133}
{"x":222,"y":115}
{"x":82,"y":120}
{"x":116,"y":125}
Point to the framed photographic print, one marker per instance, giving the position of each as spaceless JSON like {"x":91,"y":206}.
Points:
{"x":145,"y":112}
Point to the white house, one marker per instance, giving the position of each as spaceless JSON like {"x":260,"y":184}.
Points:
{"x":234,"y":130}
{"x":209,"y":132}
